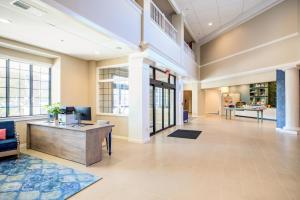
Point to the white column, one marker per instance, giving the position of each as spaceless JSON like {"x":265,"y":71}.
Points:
{"x":139,"y":85}
{"x":179,"y":101}
{"x":292,"y":100}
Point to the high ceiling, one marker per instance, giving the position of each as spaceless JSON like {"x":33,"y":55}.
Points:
{"x":66,"y":35}
{"x":209,"y":18}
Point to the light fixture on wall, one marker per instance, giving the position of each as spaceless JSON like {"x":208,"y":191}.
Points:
{"x":224,"y":89}
{"x":210,"y":24}
{"x":5,"y":21}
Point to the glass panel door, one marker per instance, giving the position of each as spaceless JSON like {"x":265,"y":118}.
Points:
{"x":166,"y":107}
{"x":158,"y":109}
{"x":172,"y":107}
{"x":151,"y":105}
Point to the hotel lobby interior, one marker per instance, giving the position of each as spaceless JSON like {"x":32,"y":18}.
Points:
{"x":150,"y":99}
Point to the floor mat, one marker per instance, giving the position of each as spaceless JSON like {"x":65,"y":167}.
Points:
{"x":187,"y":134}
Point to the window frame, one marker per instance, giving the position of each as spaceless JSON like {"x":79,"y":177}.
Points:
{"x":98,"y":80}
{"x":7,"y":88}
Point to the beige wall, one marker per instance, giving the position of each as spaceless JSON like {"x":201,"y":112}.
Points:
{"x":195,"y":88}
{"x":70,"y":75}
{"x":120,"y":122}
{"x":270,"y":39}
{"x":212,"y":101}
{"x":74,"y":81}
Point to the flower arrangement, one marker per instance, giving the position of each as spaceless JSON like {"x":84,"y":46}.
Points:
{"x":54,"y":109}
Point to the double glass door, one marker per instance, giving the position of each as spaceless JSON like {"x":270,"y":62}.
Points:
{"x":162,"y":108}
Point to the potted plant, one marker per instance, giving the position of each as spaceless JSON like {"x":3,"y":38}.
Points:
{"x":53,"y":110}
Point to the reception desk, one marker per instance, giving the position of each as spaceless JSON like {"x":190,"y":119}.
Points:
{"x":82,"y":144}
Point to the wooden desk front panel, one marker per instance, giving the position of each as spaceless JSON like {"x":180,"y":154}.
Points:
{"x":63,"y":143}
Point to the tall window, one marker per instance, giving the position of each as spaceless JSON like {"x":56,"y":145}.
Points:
{"x":112,"y":91}
{"x":24,"y":88}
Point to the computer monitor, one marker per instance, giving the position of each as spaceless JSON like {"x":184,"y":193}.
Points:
{"x":84,"y":113}
{"x":67,"y":109}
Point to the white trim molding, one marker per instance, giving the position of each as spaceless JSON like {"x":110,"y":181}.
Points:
{"x":119,"y":137}
{"x":286,"y":131}
{"x":252,"y":49}
{"x":250,"y":72}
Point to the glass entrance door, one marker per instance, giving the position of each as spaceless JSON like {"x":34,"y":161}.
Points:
{"x":166,"y":113}
{"x":162,"y":101}
{"x":158,"y":109}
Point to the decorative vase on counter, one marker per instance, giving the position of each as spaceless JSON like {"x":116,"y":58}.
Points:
{"x":56,"y":121}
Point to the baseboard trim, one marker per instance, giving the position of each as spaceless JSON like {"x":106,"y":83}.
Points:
{"x":291,"y":132}
{"x":140,"y":141}
{"x":23,"y":145}
{"x":120,"y":137}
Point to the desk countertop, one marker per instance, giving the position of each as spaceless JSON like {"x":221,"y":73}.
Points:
{"x":70,"y":127}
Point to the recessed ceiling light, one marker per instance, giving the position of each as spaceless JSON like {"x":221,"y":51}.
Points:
{"x":5,"y":21}
{"x":210,"y":24}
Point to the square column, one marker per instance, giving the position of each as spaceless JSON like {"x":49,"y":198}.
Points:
{"x":139,"y":86}
{"x":179,"y":101}
{"x":292,"y":92}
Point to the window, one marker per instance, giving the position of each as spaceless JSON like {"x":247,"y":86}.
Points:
{"x":112,"y":91}
{"x":24,"y":88}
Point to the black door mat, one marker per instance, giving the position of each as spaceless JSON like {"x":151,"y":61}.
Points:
{"x":188,"y":134}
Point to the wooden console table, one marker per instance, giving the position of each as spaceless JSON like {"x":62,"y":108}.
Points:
{"x":82,"y":144}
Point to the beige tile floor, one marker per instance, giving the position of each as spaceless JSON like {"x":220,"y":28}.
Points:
{"x":235,"y":160}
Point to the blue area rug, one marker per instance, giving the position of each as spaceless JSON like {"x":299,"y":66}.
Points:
{"x":33,"y":178}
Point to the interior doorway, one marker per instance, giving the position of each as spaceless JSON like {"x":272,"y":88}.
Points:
{"x":188,"y":95}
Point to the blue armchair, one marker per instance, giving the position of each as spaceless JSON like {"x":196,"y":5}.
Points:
{"x":10,"y":146}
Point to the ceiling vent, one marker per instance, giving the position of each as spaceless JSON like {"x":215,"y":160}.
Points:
{"x":29,"y":8}
{"x":21,"y":4}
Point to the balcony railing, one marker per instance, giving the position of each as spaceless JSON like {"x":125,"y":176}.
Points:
{"x":188,"y":50}
{"x":161,"y":20}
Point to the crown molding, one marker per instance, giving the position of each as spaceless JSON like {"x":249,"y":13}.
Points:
{"x":175,"y":6}
{"x":251,"y":72}
{"x":251,"y":49}
{"x":240,"y":20}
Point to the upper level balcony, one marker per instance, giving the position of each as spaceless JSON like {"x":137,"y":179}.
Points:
{"x":189,"y":51}
{"x":161,"y":20}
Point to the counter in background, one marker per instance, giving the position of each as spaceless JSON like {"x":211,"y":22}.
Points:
{"x":269,"y":113}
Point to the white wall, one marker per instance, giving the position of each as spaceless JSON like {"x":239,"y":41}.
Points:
{"x":239,"y":80}
{"x":121,"y":19}
{"x":195,"y":88}
{"x":212,"y":101}
{"x":190,"y":66}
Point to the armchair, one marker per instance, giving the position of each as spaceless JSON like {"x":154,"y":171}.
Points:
{"x":9,"y":146}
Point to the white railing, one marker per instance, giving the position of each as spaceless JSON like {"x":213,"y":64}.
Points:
{"x":161,"y":20}
{"x":188,"y":50}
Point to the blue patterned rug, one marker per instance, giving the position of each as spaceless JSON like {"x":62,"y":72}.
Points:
{"x":32,"y":178}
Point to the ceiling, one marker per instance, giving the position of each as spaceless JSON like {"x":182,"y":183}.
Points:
{"x":223,"y":14}
{"x":67,"y":35}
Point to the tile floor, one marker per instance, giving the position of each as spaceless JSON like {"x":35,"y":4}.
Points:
{"x":235,"y":160}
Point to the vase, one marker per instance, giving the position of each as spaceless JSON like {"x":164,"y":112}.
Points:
{"x":56,"y":121}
